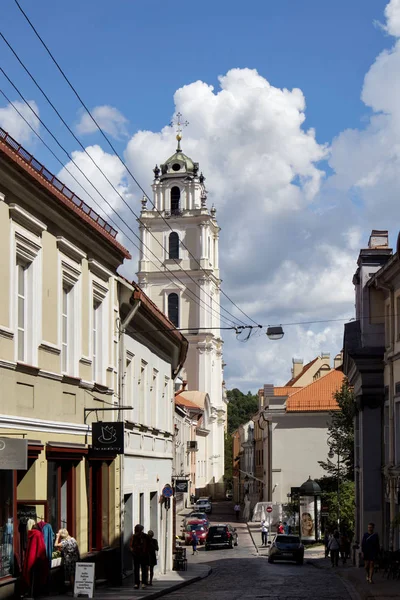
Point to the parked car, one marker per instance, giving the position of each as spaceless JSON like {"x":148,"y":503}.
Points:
{"x":200,"y":529}
{"x":221,"y":535}
{"x":204,"y":505}
{"x":286,"y":547}
{"x":200,"y":516}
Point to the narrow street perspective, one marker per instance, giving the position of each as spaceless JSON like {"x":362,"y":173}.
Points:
{"x":200,"y":300}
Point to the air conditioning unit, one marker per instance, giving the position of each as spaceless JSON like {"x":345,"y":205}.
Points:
{"x":192,"y":446}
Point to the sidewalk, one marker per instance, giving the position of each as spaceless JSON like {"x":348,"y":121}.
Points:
{"x":354,"y":577}
{"x":162,"y":585}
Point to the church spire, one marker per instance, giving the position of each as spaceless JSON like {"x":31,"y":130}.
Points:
{"x":178,"y":122}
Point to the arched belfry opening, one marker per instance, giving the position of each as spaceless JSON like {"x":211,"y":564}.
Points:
{"x":173,"y":308}
{"x":175,"y":200}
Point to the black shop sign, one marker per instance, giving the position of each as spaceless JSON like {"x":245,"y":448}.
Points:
{"x":181,"y":485}
{"x":108,"y":438}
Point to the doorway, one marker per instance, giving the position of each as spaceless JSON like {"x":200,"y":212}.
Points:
{"x":128,"y":529}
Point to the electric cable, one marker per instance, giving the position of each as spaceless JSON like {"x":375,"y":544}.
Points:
{"x":100,"y":170}
{"x":92,"y":198}
{"x":115,"y":151}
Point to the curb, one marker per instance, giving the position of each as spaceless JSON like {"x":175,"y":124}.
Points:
{"x":178,"y":586}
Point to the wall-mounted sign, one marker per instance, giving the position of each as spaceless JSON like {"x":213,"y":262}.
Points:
{"x":84,"y":580}
{"x":182,"y":485}
{"x":13,"y":454}
{"x":108,"y":438}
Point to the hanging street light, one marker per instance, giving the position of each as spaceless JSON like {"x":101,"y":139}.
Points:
{"x":275,"y":333}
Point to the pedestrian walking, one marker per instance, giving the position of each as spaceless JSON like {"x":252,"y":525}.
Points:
{"x":140,"y":548}
{"x":195,"y":541}
{"x":152,"y":555}
{"x":370,"y":550}
{"x":327,"y":537}
{"x":70,"y":554}
{"x":236,"y":508}
{"x":344,"y":547}
{"x":279,"y":528}
{"x":264,"y":533}
{"x":334,"y":546}
{"x":286,"y":528}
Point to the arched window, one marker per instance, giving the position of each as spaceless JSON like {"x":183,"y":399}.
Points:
{"x":173,"y":245}
{"x":173,"y":309}
{"x":175,"y":200}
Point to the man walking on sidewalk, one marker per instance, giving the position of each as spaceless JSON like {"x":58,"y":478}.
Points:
{"x":236,"y":508}
{"x":264,"y":533}
{"x":334,"y":546}
{"x":370,"y":550}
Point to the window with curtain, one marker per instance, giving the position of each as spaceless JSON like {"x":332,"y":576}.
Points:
{"x":173,"y":245}
{"x":173,"y":309}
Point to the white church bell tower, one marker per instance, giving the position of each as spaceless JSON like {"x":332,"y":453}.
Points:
{"x":182,"y":232}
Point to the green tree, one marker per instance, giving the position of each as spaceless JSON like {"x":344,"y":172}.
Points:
{"x":241,"y":408}
{"x":346,"y":505}
{"x":341,"y":435}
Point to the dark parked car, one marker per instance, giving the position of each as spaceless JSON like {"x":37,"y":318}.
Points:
{"x":286,"y":547}
{"x":221,"y":535}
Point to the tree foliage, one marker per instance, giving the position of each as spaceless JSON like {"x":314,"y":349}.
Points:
{"x":346,"y":503}
{"x":241,"y":408}
{"x":341,"y":435}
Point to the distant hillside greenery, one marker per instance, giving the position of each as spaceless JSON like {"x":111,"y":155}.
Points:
{"x":241,"y":408}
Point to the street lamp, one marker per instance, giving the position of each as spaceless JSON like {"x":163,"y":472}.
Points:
{"x":275,"y":333}
{"x":331,"y":454}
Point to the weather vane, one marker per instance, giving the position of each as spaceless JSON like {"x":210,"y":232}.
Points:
{"x":179,"y":124}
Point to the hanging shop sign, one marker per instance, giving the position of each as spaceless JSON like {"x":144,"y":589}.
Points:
{"x":84,"y":580}
{"x":108,"y":438}
{"x":13,"y":454}
{"x":182,"y":485}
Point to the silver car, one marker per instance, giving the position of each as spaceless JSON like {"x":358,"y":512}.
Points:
{"x":203,"y":505}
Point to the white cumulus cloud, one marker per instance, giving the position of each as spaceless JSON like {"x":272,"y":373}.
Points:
{"x":15,"y":125}
{"x":108,"y":117}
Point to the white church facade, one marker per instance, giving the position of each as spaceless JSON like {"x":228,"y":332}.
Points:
{"x":178,"y":270}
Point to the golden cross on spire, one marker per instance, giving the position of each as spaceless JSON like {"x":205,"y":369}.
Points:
{"x":179,"y":123}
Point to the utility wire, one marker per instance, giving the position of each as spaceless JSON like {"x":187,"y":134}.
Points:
{"x":102,"y":172}
{"x":115,"y":151}
{"x":90,"y":196}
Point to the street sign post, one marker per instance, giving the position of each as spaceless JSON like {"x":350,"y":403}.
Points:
{"x":167,"y":491}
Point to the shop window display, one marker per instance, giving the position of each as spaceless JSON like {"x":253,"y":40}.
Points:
{"x":6,"y":524}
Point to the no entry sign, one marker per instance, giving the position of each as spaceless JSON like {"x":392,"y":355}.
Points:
{"x":269,"y":509}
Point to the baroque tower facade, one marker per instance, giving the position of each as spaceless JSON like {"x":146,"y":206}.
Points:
{"x":183,"y":281}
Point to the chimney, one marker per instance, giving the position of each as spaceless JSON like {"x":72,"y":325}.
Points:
{"x":297,"y":366}
{"x":338,"y":360}
{"x":379,"y":238}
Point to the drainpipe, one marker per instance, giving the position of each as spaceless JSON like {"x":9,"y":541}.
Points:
{"x":390,"y":289}
{"x":121,"y":400}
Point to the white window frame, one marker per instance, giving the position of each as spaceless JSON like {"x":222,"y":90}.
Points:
{"x":27,"y":252}
{"x":397,"y":430}
{"x":70,"y":279}
{"x":99,"y":355}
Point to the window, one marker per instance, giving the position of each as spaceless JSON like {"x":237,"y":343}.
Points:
{"x":97,"y":341}
{"x":99,"y":505}
{"x":70,"y":329}
{"x":6,"y":523}
{"x":398,"y":316}
{"x":175,"y":200}
{"x":142,"y":391}
{"x":22,"y":311}
{"x":387,"y":326}
{"x":173,"y":245}
{"x":67,"y":332}
{"x":61,"y":486}
{"x":173,"y":309}
{"x":397,"y":431}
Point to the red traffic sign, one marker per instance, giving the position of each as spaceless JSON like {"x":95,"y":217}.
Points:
{"x":167,"y":491}
{"x":269,"y":509}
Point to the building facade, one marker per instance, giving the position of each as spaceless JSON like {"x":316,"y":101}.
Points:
{"x":181,"y":234}
{"x":371,"y":362}
{"x":58,"y":308}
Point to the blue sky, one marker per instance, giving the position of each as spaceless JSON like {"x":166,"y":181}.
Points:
{"x":300,"y":139}
{"x":136,"y":54}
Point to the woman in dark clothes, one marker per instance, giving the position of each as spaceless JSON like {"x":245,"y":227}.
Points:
{"x":370,"y":550}
{"x":153,"y":554}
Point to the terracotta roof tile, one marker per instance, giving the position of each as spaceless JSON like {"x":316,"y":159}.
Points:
{"x":286,"y":390}
{"x":292,"y":381}
{"x":181,"y":401}
{"x":318,"y":395}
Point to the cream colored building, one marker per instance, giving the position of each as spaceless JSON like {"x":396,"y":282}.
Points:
{"x":179,"y":271}
{"x":58,"y":357}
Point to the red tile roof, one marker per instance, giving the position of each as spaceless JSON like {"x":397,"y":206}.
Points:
{"x":286,"y":390}
{"x":318,"y":395}
{"x":292,"y":381}
{"x":181,"y":401}
{"x":38,"y":172}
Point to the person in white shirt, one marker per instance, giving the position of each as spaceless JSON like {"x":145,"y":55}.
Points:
{"x":264,"y":533}
{"x":236,"y":508}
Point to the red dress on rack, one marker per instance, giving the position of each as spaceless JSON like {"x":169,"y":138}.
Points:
{"x":36,"y":560}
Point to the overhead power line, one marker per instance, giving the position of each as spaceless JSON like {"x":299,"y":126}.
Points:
{"x":99,"y":168}
{"x":116,"y":153}
{"x":186,"y":291}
